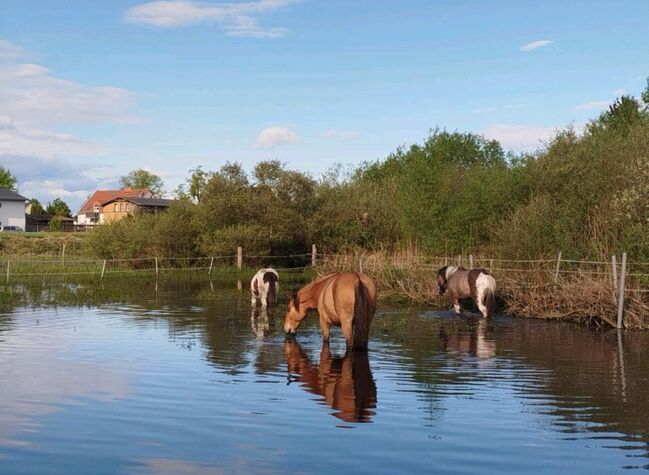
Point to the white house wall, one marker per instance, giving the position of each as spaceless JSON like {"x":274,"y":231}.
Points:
{"x":12,"y":213}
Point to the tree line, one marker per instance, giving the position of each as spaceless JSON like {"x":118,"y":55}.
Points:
{"x":585,"y":193}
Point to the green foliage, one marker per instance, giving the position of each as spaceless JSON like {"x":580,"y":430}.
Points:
{"x":8,"y":179}
{"x":143,"y":179}
{"x":36,"y":207}
{"x":584,"y":194}
{"x":58,"y":207}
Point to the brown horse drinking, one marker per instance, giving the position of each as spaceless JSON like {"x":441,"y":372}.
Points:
{"x":344,"y":382}
{"x":462,"y":283}
{"x":346,"y":299}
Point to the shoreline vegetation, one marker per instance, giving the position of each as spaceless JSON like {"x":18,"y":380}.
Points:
{"x":585,"y":292}
{"x":584,"y":194}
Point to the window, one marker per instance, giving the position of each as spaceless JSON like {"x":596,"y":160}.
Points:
{"x":116,"y":207}
{"x":128,"y":206}
{"x":121,"y":207}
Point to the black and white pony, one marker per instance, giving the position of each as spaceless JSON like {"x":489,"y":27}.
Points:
{"x":461,"y":283}
{"x":264,"y":287}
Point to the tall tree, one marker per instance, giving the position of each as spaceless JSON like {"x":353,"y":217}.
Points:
{"x":58,"y":207}
{"x":36,"y":207}
{"x":8,"y":179}
{"x":143,"y":179}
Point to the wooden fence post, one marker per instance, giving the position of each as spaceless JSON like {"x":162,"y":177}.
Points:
{"x":103,"y":269}
{"x":361,"y":261}
{"x":491,"y":265}
{"x":239,"y":258}
{"x":614,"y":270}
{"x":63,"y":253}
{"x":8,"y":265}
{"x":556,"y":272}
{"x":470,"y":261}
{"x":209,"y":272}
{"x":459,"y":259}
{"x":314,"y":255}
{"x":620,"y":302}
{"x":156,"y":266}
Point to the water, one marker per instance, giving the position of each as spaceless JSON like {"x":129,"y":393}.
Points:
{"x":190,"y":381}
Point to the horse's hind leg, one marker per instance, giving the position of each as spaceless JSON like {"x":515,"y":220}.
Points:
{"x":347,"y":331}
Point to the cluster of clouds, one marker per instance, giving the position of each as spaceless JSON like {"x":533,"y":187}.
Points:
{"x":237,"y":19}
{"x":35,"y":105}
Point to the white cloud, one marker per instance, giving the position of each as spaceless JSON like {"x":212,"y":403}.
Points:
{"x":594,"y":105}
{"x":519,"y":137}
{"x":10,"y":50}
{"x":238,"y":19}
{"x":341,"y":134}
{"x":619,"y":92}
{"x":495,"y":108}
{"x":532,"y":45}
{"x":276,"y":135}
{"x":34,"y":103}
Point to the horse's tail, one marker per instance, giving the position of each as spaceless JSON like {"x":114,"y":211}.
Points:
{"x":271,"y":279}
{"x":489,"y":297}
{"x":363,"y":313}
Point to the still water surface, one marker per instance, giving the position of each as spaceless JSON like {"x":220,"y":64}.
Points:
{"x":191,"y":381}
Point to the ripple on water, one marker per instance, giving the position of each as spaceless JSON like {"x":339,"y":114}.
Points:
{"x":185,"y":384}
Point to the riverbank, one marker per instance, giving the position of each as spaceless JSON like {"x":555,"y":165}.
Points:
{"x":585,"y":292}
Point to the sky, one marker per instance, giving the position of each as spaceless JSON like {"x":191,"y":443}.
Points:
{"x":90,"y":90}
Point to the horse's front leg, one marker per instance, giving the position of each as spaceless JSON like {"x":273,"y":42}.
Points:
{"x":264,"y":301}
{"x":457,"y":307}
{"x":324,"y":326}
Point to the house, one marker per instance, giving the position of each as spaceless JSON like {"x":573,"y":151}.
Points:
{"x":117,"y":208}
{"x":90,"y":211}
{"x":12,"y":208}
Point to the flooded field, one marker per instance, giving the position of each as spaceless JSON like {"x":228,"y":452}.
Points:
{"x":189,"y":380}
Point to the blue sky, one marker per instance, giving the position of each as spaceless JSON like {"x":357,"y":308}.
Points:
{"x":91,"y":89}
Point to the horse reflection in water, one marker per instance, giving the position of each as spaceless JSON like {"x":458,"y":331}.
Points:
{"x":259,"y":322}
{"x":345,"y":382}
{"x":478,"y":341}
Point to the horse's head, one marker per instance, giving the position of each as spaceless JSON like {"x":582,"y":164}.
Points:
{"x":295,"y":313}
{"x":442,"y":280}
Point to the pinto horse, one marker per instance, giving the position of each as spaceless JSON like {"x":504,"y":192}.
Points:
{"x":264,"y":286}
{"x":461,"y":283}
{"x":346,"y":299}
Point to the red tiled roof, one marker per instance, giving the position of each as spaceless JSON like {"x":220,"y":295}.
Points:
{"x":101,"y":196}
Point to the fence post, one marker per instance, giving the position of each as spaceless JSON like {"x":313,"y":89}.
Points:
{"x":361,"y":261}
{"x":156,"y":266}
{"x":63,"y":253}
{"x":314,"y":255}
{"x":470,"y":261}
{"x":211,"y":264}
{"x":614,"y":268}
{"x":620,"y":302}
{"x":459,"y":259}
{"x":8,"y":265}
{"x":239,"y":258}
{"x":103,"y":269}
{"x":556,"y":272}
{"x":491,"y":265}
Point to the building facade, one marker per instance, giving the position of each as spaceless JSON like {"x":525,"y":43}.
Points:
{"x":12,"y":209}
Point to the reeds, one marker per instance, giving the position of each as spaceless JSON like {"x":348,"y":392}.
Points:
{"x":580,"y":293}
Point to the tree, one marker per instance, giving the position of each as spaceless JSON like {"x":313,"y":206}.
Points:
{"x":143,"y":179}
{"x":36,"y":207}
{"x":7,"y":179}
{"x":645,"y":96}
{"x":197,"y":182}
{"x":58,"y":207}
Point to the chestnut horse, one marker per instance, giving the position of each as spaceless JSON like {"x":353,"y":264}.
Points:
{"x":345,"y":383}
{"x":346,"y":299}
{"x":462,"y":283}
